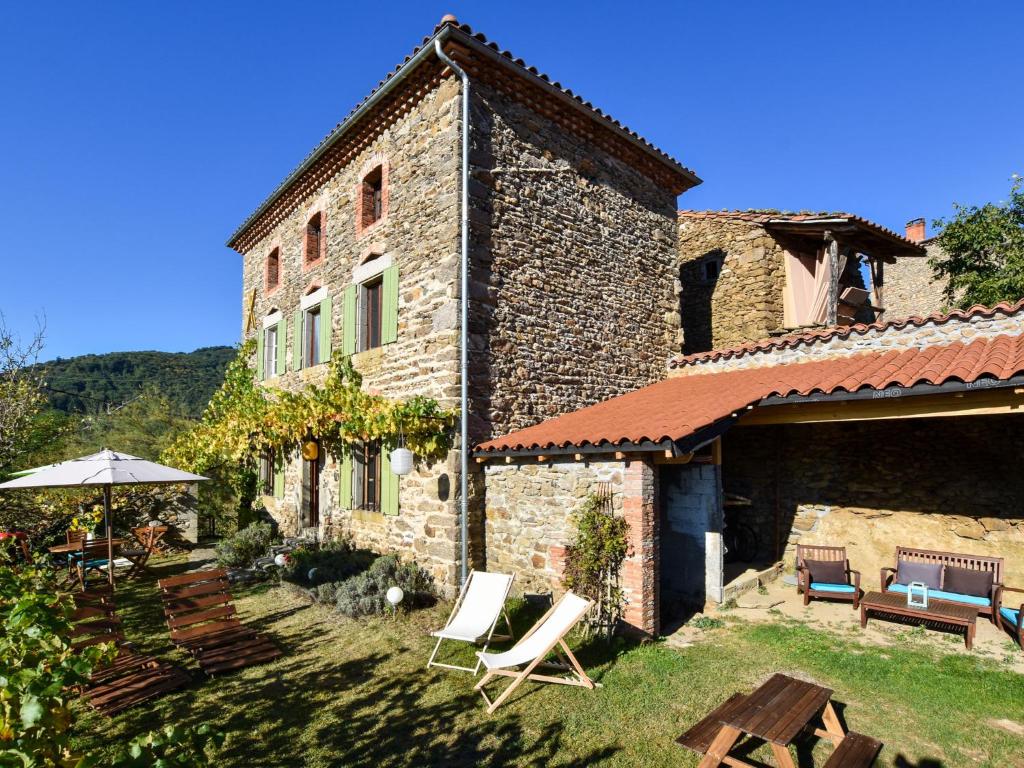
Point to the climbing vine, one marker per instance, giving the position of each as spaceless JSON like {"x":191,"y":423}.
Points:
{"x":594,"y":560}
{"x":245,"y":420}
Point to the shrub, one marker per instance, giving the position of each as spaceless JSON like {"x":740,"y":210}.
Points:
{"x":364,"y":594}
{"x":240,"y":550}
{"x":329,"y":563}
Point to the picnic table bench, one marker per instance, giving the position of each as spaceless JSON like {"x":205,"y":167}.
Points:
{"x":778,"y":712}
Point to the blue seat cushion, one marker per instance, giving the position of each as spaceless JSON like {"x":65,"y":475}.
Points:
{"x":95,"y":563}
{"x":938,"y":594}
{"x":1010,"y":615}
{"x":818,"y":586}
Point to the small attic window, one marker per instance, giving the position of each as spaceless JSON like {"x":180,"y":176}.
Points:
{"x":373,"y":196}
{"x":711,"y":268}
{"x":314,"y":240}
{"x":273,"y":269}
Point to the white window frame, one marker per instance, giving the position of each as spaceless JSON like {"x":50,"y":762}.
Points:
{"x":270,"y":350}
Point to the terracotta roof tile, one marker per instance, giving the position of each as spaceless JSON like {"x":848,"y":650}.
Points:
{"x":809,"y":338}
{"x":678,"y":407}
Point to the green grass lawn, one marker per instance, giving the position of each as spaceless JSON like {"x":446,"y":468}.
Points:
{"x":356,"y":693}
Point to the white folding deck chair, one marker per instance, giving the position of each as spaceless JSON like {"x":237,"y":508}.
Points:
{"x":546,"y":635}
{"x":475,"y":615}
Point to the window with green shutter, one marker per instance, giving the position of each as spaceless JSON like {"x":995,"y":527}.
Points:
{"x":388,"y":486}
{"x":297,"y":340}
{"x":326,"y":330}
{"x":389,"y":311}
{"x":345,"y":481}
{"x":259,"y":356}
{"x":279,"y":478}
{"x":281,"y":356}
{"x":348,"y":321}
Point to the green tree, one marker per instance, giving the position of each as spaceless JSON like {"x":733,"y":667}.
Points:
{"x":982,"y":257}
{"x":21,"y":395}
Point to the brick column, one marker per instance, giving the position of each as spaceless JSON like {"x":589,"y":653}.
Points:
{"x":640,"y":571}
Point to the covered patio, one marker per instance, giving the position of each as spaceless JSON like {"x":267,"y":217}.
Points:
{"x":873,"y":435}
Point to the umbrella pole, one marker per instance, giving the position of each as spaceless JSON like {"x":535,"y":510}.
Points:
{"x":110,"y":533}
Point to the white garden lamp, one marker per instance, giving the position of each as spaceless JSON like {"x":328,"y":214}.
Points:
{"x":395,"y":595}
{"x":401,"y":461}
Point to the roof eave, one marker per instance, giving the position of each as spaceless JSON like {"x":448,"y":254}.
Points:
{"x":425,"y":51}
{"x":446,"y":32}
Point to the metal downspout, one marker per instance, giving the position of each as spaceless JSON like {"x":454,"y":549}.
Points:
{"x":464,"y":324}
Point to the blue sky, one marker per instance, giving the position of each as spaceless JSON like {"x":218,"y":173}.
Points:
{"x":136,"y":136}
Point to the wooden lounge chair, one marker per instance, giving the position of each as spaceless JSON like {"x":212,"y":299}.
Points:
{"x":1011,"y":617}
{"x":547,"y":635}
{"x":131,"y":678}
{"x":475,"y":615}
{"x":843,"y":584}
{"x":202,"y":620}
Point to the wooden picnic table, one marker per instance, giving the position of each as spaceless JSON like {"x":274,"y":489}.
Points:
{"x":777,"y":712}
{"x":76,"y":546}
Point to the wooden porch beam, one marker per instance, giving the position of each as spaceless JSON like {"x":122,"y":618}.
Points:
{"x":978,"y":403}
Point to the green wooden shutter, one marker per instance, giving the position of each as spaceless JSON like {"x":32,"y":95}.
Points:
{"x":389,"y":321}
{"x":279,"y":477}
{"x":388,"y":485}
{"x":326,"y":330}
{"x":282,"y":346}
{"x":345,"y":481}
{"x":348,"y":329}
{"x":259,"y":354}
{"x":297,"y":341}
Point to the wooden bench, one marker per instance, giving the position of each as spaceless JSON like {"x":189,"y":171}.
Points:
{"x":855,"y":751}
{"x":202,"y":619}
{"x":993,"y":565}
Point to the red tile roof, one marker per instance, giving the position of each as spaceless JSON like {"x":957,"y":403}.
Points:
{"x":679,"y":407}
{"x":765,"y":217}
{"x":807,"y":338}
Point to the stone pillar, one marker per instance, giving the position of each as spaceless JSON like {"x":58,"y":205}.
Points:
{"x":640,"y":570}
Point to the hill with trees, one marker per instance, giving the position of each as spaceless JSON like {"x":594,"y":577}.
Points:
{"x":92,"y":384}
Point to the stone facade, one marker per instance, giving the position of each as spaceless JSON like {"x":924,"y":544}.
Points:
{"x":949,"y":484}
{"x":745,"y":301}
{"x":571,"y":294}
{"x":911,"y":288}
{"x":420,"y":235}
{"x":529,"y":523}
{"x":574,"y":255}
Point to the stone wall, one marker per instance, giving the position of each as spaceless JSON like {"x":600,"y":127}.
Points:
{"x":843,"y":342}
{"x":529,"y":523}
{"x":910,"y":287}
{"x":950,"y":484}
{"x":529,"y":505}
{"x":574,"y":269}
{"x":419,"y":234}
{"x":745,"y":302}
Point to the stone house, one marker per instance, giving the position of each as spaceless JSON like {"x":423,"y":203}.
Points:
{"x":910,"y":285}
{"x":572,"y":262}
{"x":750,"y":275}
{"x":868,"y":436}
